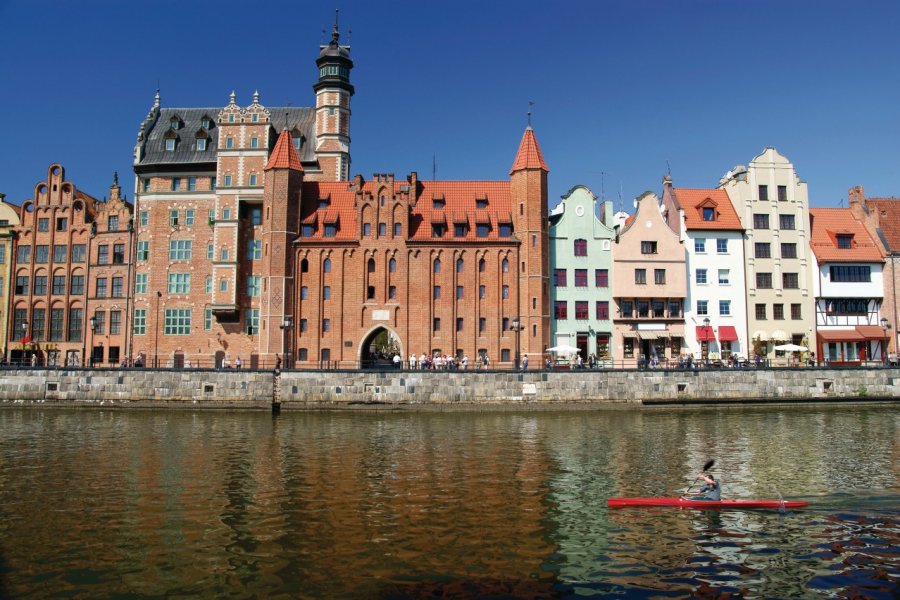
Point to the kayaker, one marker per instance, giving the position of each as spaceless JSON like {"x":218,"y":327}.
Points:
{"x":710,"y":489}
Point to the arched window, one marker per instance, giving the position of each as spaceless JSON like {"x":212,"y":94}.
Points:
{"x":326,"y":266}
{"x":481,"y":265}
{"x":437,"y":265}
{"x":392,"y":265}
{"x":371,"y":265}
{"x":304,"y":266}
{"x":459,"y":265}
{"x":505,"y":265}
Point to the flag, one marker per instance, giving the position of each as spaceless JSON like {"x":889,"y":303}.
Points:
{"x":26,"y":339}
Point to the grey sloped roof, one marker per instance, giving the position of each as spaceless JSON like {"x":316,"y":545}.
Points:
{"x":303,"y":119}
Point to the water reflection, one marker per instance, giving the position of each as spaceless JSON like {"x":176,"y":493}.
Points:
{"x":409,"y":505}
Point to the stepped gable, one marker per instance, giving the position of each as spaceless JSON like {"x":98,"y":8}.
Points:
{"x":284,"y":155}
{"x":826,"y":224}
{"x":529,"y":155}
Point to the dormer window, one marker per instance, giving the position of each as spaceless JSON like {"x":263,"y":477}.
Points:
{"x":205,"y":122}
{"x":845,"y":241}
{"x":170,"y":144}
{"x":201,"y":144}
{"x":481,"y":202}
{"x":175,"y":123}
{"x":439,"y":201}
{"x":231,"y":118}
{"x":254,"y":118}
{"x":709,"y":213}
{"x":324,"y":202}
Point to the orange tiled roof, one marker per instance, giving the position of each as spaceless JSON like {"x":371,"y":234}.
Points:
{"x":694,"y":200}
{"x":825,"y":226}
{"x":529,"y":155}
{"x":458,"y":197}
{"x":888,"y":210}
{"x":284,"y":155}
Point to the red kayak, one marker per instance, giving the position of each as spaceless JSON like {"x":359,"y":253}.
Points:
{"x":626,"y":502}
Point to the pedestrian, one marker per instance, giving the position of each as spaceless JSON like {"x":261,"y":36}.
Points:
{"x":397,"y":360}
{"x":277,"y":362}
{"x":237,"y":363}
{"x":465,"y":362}
{"x":412,"y":361}
{"x":525,"y":363}
{"x":34,"y":360}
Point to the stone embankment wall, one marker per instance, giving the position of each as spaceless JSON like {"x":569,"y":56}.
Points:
{"x":335,"y":389}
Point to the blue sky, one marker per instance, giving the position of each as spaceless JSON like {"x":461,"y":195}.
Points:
{"x":622,"y":91}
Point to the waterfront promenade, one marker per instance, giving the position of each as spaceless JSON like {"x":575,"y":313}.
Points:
{"x":315,"y":389}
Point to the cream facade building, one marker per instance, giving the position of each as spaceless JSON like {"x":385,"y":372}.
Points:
{"x":773,"y":204}
{"x":9,"y":218}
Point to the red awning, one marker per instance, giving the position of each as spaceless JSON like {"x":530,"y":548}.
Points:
{"x":840,"y":335}
{"x":872,"y":332}
{"x":705,"y":334}
{"x":727,"y":333}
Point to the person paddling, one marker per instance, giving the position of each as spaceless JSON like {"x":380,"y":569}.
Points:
{"x":710,"y":490}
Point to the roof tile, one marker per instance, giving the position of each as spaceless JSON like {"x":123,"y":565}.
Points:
{"x":284,"y":155}
{"x":529,"y":155}
{"x":694,"y":200}
{"x":825,"y":226}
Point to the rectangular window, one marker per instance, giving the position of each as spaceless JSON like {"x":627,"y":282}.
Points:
{"x":760,"y":312}
{"x":223,"y":254}
{"x":702,"y":307}
{"x":229,"y":141}
{"x":674,"y":309}
{"x":56,"y":325}
{"x":2,"y":255}
{"x":140,"y":321}
{"x":44,"y":224}
{"x":725,"y":308}
{"x":627,"y":308}
{"x":762,"y":250}
{"x":601,"y":278}
{"x":482,"y":292}
{"x":254,"y":250}
{"x":330,"y":230}
{"x":482,"y":230}
{"x":99,"y":323}
{"x":251,"y":320}
{"x":581,"y":310}
{"x":844,"y":242}
{"x":482,"y":324}
{"x":580,"y":247}
{"x":170,"y":145}
{"x":78,"y":253}
{"x":143,"y":250}
{"x":436,"y":324}
{"x":179,"y":249}
{"x":786,"y":221}
{"x":789,"y":251}
{"x":436,"y":292}
{"x":505,"y":230}
{"x":103,"y":254}
{"x":208,"y":286}
{"x":640,"y":276}
{"x":117,"y":287}
{"x":459,"y":323}
{"x":118,"y":254}
{"x":700,"y":246}
{"x":778,"y":312}
{"x":253,"y":282}
{"x":796,"y":313}
{"x":560,"y":277}
{"x":659,"y":309}
{"x":40,"y":285}
{"x":628,"y":347}
{"x":179,"y":283}
{"x":659,"y":276}
{"x":722,"y":246}
{"x":140,"y":283}
{"x":763,"y":192}
{"x":177,"y":321}
{"x":505,"y":292}
{"x":764,"y":281}
{"x":254,"y":142}
{"x":790,"y":281}
{"x":700,"y":276}
{"x":176,"y":184}
{"x":207,"y":319}
{"x":853,"y":274}
{"x":228,"y":180}
{"x":709,"y":213}
{"x":648,"y":247}
{"x":782,"y":193}
{"x":101,"y":287}
{"x":115,"y":322}
{"x":76,"y":316}
{"x":62,"y":223}
{"x":22,"y":282}
{"x":112,"y":223}
{"x":459,"y":292}
{"x":326,"y":293}
{"x":602,"y":310}
{"x":23,"y":254}
{"x":581,"y":277}
{"x":392,"y":292}
{"x":724,"y":276}
{"x":760,"y":221}
{"x":59,"y":285}
{"x":76,"y":285}
{"x":643,"y":309}
{"x":59,"y":253}
{"x":560,"y":310}
{"x":42,"y":254}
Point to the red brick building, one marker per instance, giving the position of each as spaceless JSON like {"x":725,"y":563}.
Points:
{"x":69,"y":264}
{"x":252,"y":242}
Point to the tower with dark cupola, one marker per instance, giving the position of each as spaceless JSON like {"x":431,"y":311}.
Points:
{"x":333,"y":92}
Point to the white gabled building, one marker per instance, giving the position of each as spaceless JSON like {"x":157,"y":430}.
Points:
{"x":716,"y":307}
{"x":848,"y":285}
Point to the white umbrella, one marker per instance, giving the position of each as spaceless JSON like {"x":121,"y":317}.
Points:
{"x":563,"y":349}
{"x":791,"y":348}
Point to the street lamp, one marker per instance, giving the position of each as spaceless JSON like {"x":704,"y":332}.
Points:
{"x":286,"y":327}
{"x":24,"y":335}
{"x":705,"y":345}
{"x":884,"y":327}
{"x":516,"y":326}
{"x":156,"y":332}
{"x":93,"y":322}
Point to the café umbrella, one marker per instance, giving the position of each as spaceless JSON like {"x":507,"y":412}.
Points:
{"x":563,"y":349}
{"x":791,"y":348}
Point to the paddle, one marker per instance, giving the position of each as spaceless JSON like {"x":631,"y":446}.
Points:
{"x":706,"y":468}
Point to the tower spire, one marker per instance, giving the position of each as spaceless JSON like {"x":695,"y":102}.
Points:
{"x":334,"y":32}
{"x":530,"y":105}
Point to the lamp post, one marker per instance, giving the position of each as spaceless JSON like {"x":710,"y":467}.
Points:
{"x":884,"y":327}
{"x":705,"y":347}
{"x":286,"y":326}
{"x":93,"y":322}
{"x":156,"y":333}
{"x":24,"y":335}
{"x":516,"y":326}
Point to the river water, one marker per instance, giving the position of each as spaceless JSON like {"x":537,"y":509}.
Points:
{"x":106,"y":503}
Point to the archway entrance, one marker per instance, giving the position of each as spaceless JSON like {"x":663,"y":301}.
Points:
{"x":378,"y":349}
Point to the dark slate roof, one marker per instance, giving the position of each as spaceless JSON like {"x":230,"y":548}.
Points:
{"x":303,"y":119}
